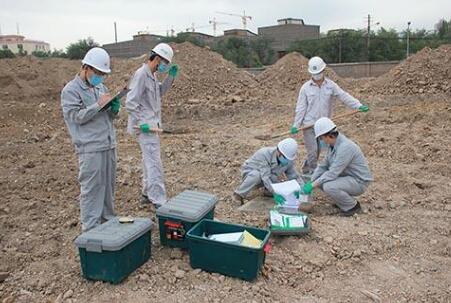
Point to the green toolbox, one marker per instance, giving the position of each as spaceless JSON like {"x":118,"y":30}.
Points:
{"x":179,"y":214}
{"x":113,"y":250}
{"x":229,"y":259}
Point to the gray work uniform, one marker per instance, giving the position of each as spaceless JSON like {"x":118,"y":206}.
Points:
{"x":94,"y":138}
{"x":144,"y":106}
{"x":263,"y":169}
{"x":315,"y":102}
{"x":344,"y":173}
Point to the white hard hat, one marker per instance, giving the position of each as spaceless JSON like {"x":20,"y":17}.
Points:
{"x":316,"y":65}
{"x":288,"y":147}
{"x":323,"y":126}
{"x":164,"y":50}
{"x":99,"y":59}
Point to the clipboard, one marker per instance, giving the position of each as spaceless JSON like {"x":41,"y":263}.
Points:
{"x":119,"y":95}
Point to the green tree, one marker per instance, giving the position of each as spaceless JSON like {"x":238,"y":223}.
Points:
{"x":58,"y":53}
{"x":41,"y":54}
{"x":78,"y":49}
{"x":443,"y":29}
{"x":184,"y":37}
{"x":21,"y":52}
{"x":238,"y":51}
{"x":386,"y":45}
{"x":6,"y":53}
{"x":262,"y":49}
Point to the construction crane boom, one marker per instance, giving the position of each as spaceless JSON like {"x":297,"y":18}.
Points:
{"x":215,"y":25}
{"x":243,"y":17}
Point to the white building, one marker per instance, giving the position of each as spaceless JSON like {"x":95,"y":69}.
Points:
{"x":17,"y":42}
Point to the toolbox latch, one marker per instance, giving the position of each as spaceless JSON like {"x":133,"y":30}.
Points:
{"x":94,"y":245}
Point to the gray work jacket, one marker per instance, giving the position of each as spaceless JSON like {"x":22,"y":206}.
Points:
{"x":265,"y":161}
{"x":143,"y":102}
{"x":91,"y":129}
{"x":345,"y":158}
{"x":315,"y":102}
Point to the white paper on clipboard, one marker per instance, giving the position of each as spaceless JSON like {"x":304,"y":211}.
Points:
{"x":287,"y":189}
{"x":119,"y":95}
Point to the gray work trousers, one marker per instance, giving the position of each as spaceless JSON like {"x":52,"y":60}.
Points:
{"x":153,"y":175}
{"x":343,"y":190}
{"x":252,"y":180}
{"x":312,"y":148}
{"x":97,"y":179}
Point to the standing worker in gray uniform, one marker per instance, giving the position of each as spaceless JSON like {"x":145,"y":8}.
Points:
{"x":267,"y":166}
{"x":89,"y":117}
{"x":144,"y":107}
{"x":344,"y":173}
{"x":316,"y":100}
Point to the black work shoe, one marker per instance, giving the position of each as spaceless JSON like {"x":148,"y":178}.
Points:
{"x":144,"y":199}
{"x":355,"y":210}
{"x":238,"y":198}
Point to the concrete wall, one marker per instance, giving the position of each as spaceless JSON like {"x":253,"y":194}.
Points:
{"x":362,"y":69}
{"x":350,"y":70}
{"x":141,"y":44}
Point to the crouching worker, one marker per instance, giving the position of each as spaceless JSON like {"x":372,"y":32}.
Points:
{"x":344,"y":173}
{"x":268,"y":165}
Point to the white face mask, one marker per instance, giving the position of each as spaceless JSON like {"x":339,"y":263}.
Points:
{"x":317,"y":77}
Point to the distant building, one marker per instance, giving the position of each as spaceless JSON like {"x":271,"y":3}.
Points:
{"x":16,"y":43}
{"x":207,"y":39}
{"x":286,"y":32}
{"x":141,"y":44}
{"x":241,"y":33}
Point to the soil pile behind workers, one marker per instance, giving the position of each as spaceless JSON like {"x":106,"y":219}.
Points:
{"x":288,"y":74}
{"x":428,"y":71}
{"x":31,"y":77}
{"x":205,"y":76}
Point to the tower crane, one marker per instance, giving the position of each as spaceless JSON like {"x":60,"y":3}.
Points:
{"x":243,"y":17}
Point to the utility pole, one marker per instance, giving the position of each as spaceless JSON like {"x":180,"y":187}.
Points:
{"x":17,"y":27}
{"x":407,"y":38}
{"x":368,"y":39}
{"x":115,"y":32}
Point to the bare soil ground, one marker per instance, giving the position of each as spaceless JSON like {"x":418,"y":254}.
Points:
{"x":398,"y":250}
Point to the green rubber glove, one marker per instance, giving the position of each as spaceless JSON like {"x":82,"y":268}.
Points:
{"x":115,"y":105}
{"x":294,"y":130}
{"x":297,"y":194}
{"x":173,"y":70}
{"x":279,"y":199}
{"x":145,"y":128}
{"x":364,"y":108}
{"x":308,"y":188}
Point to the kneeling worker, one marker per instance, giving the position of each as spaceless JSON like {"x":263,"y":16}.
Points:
{"x":344,"y":173}
{"x":268,"y":165}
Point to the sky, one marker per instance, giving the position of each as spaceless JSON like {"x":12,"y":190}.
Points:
{"x":62,"y":22}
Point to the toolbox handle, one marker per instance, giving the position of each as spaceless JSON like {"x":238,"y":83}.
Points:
{"x":94,"y":245}
{"x":175,"y":211}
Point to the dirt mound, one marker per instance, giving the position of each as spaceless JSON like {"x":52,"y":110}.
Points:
{"x":30,"y":77}
{"x":288,"y":74}
{"x":428,"y":71}
{"x":205,"y":76}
